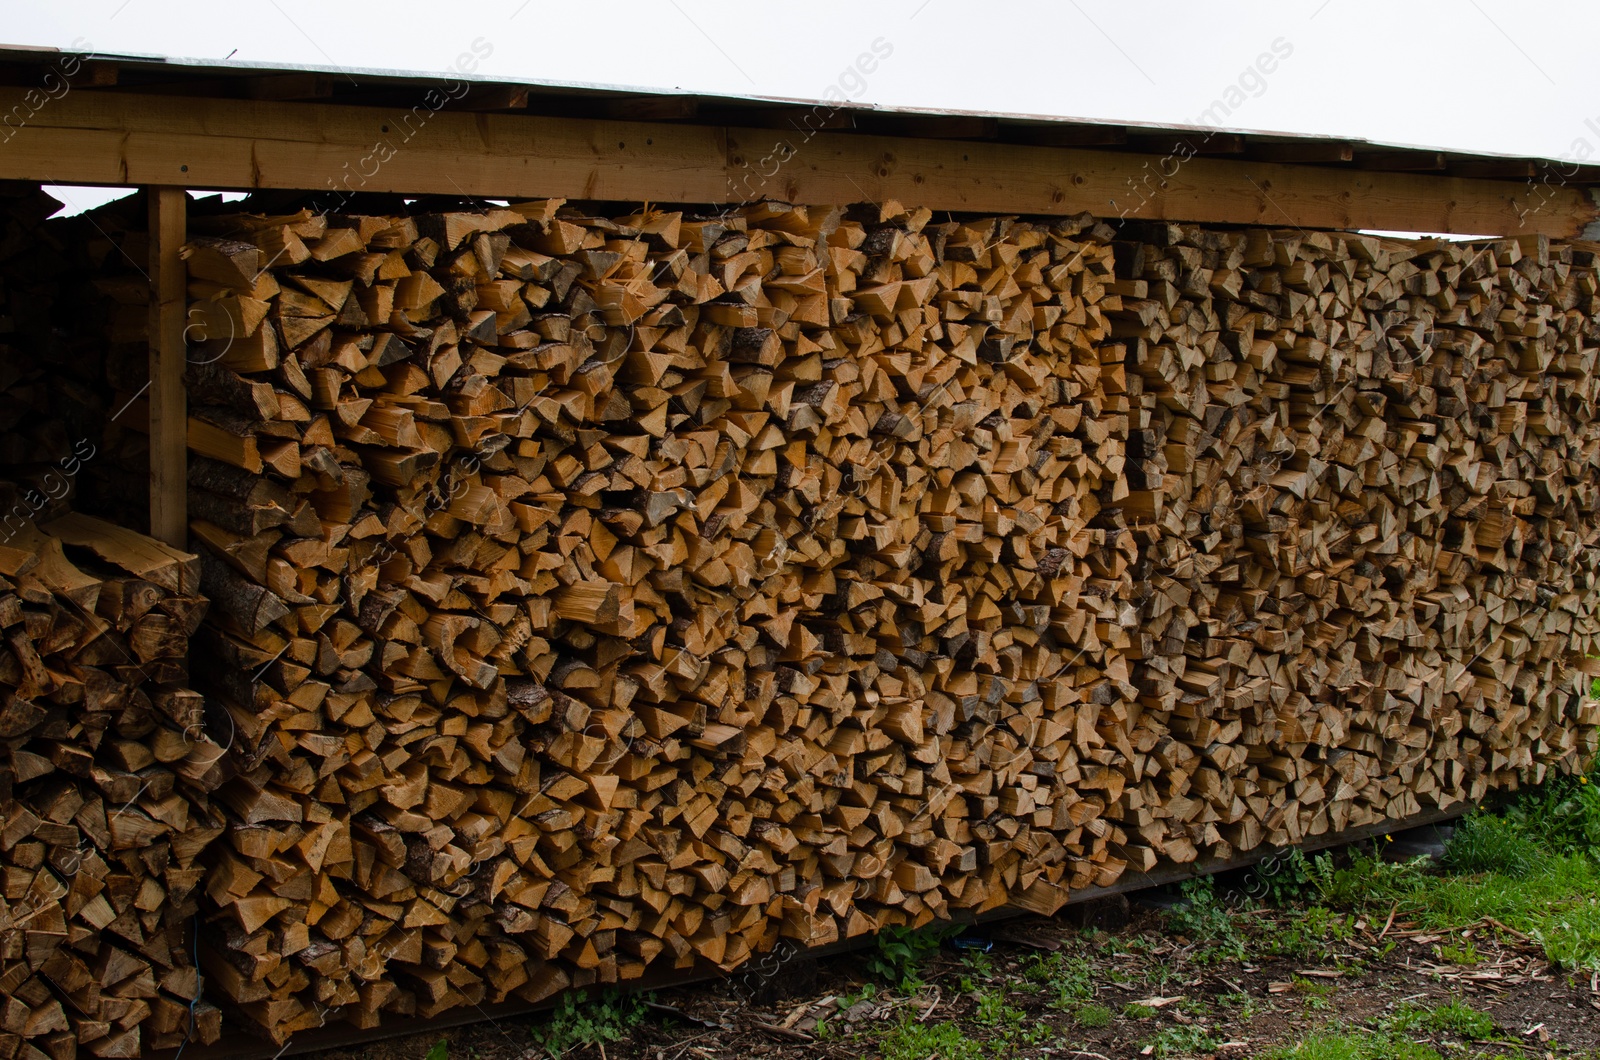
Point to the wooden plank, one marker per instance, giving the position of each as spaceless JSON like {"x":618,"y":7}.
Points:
{"x":1500,"y":168}
{"x":1410,"y":161}
{"x":169,"y":518}
{"x":997,"y":178}
{"x":496,"y":97}
{"x":651,"y":108}
{"x":1210,"y":143}
{"x":289,"y":86}
{"x":1068,"y":135}
{"x":932,"y":126}
{"x":171,"y":569}
{"x":804,"y":119}
{"x":129,"y":139}
{"x":1312,"y":153}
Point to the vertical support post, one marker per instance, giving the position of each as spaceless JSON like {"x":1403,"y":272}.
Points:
{"x":169,"y":415}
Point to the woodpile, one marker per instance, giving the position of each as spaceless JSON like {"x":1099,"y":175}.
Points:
{"x":104,"y":775}
{"x":640,"y":589}
{"x":595,"y":594}
{"x":1374,"y":468}
{"x":634,"y":591}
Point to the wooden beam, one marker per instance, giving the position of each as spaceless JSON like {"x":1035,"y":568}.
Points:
{"x":1497,"y":168}
{"x":651,"y":108}
{"x":496,"y":97}
{"x":931,"y":126}
{"x":288,"y":86}
{"x":98,"y":75}
{"x":793,"y":119}
{"x":122,"y":139}
{"x":1064,"y":134}
{"x":992,"y":178}
{"x":169,"y":518}
{"x":1408,"y":161}
{"x":1309,"y":152}
{"x":1210,"y":143}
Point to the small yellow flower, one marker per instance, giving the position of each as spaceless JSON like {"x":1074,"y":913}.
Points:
{"x":1389,"y":838}
{"x":1583,"y":780}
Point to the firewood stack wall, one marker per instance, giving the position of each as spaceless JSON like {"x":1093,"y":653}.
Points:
{"x":598,"y":592}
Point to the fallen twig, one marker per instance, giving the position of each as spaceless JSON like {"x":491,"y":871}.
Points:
{"x":688,"y":1042}
{"x":1387,"y":923}
{"x":782,"y":1032}
{"x":1492,"y":922}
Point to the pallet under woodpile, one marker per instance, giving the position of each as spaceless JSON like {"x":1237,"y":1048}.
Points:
{"x":595,"y":595}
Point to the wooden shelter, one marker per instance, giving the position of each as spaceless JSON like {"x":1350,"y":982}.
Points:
{"x":141,"y":121}
{"x":705,"y":521}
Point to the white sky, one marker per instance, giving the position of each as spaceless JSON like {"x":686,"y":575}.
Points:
{"x":1505,"y":76}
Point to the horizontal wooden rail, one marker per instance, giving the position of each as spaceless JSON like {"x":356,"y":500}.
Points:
{"x":127,"y":139}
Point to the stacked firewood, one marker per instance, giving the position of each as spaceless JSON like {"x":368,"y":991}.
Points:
{"x":593,"y":593}
{"x":1373,"y":464}
{"x":104,"y":774}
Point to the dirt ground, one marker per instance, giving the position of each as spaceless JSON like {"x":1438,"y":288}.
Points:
{"x":1193,"y":1002}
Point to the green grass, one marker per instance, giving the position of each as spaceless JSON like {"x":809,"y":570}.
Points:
{"x":1092,"y":1017}
{"x":1392,"y":1039}
{"x":1486,"y":842}
{"x":1009,"y":1025}
{"x":1069,"y":979}
{"x":1466,"y":954}
{"x":979,"y":963}
{"x":1563,"y":813}
{"x":1317,"y":995}
{"x":1353,"y":1045}
{"x":1179,"y":1041}
{"x":1303,"y":933}
{"x":1456,"y":1018}
{"x":918,"y":1041}
{"x":1533,"y":866}
{"x":1557,"y":905}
